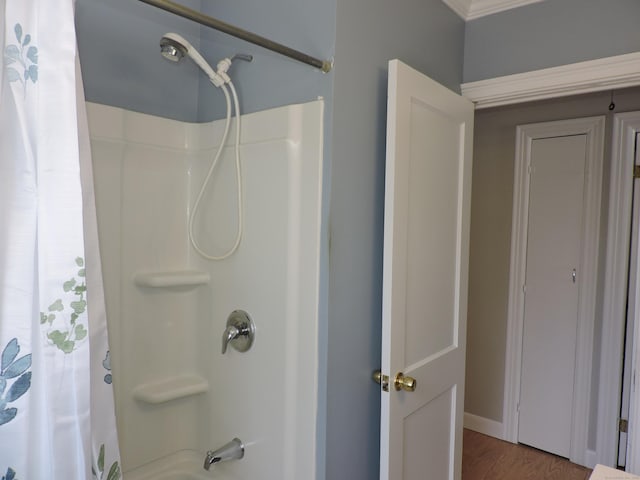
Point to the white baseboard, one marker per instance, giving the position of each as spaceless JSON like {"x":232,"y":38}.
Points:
{"x":483,"y":425}
{"x":492,"y":428}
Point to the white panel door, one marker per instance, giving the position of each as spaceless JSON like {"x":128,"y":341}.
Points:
{"x":551,"y":295}
{"x":426,"y":250}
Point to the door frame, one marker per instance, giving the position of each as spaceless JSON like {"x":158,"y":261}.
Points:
{"x":619,"y":71}
{"x":625,"y":128}
{"x":593,"y":128}
{"x":633,"y":458}
{"x":615,"y":72}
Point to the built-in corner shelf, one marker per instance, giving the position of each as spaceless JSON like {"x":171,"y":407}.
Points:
{"x":176,"y":278}
{"x":170,"y":389}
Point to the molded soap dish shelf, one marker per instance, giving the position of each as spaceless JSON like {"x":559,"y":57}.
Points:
{"x":176,"y":278}
{"x":170,"y":389}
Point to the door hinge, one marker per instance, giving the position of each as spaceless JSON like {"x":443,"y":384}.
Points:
{"x":636,"y":171}
{"x":623,"y":425}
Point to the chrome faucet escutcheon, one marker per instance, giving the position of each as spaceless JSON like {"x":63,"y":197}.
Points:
{"x":234,"y":450}
{"x":239,"y":333}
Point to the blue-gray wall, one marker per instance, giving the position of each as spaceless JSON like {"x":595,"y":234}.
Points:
{"x":270,"y":80}
{"x":548,"y":34}
{"x":430,"y":37}
{"x":121,"y":63}
{"x":118,"y":43}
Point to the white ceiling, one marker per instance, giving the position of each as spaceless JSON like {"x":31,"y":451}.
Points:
{"x":470,"y":9}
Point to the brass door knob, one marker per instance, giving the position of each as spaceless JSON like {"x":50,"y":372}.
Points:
{"x":408,"y":384}
{"x":382,"y":380}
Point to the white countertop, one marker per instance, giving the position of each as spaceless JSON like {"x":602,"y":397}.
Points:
{"x":605,"y":473}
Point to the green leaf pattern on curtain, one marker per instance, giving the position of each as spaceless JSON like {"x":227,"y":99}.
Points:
{"x":114,"y":472}
{"x":47,"y":291}
{"x":70,"y":323}
{"x":106,"y":363}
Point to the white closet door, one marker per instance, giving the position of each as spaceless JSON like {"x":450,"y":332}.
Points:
{"x":551,"y":292}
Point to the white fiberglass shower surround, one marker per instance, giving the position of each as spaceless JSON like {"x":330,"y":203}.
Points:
{"x":177,"y":394}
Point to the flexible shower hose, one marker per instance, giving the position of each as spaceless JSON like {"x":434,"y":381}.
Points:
{"x":218,"y":154}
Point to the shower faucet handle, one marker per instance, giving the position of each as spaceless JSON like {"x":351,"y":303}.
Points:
{"x":230,"y":333}
{"x":240,"y":332}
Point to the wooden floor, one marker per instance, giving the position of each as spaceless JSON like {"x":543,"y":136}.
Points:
{"x":487,"y":458}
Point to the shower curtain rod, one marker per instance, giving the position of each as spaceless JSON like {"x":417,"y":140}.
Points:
{"x":185,"y":12}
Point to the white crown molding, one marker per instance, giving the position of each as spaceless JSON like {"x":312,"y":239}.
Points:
{"x":481,"y":8}
{"x":471,"y":9}
{"x":461,"y":7}
{"x":608,"y":73}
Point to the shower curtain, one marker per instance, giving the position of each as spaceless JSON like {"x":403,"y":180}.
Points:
{"x":56,"y":402}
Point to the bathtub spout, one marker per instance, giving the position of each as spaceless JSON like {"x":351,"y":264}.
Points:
{"x":234,"y":450}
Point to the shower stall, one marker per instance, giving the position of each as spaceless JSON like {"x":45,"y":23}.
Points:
{"x":177,"y":394}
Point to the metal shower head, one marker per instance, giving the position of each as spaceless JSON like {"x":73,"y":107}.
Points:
{"x":171,"y":49}
{"x":174,"y":47}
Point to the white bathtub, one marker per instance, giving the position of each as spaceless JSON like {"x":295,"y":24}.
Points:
{"x":167,"y":307}
{"x":183,"y":465}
